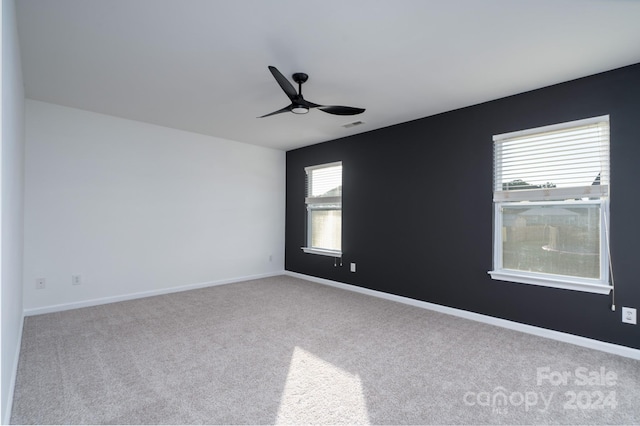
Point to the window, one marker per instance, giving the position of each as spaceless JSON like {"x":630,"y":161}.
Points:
{"x":551,"y":206}
{"x":324,"y":209}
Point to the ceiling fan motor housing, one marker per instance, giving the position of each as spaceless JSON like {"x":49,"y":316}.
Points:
{"x":300,"y":77}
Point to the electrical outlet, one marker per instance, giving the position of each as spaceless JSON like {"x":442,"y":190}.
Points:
{"x":41,"y":283}
{"x":76,"y":279}
{"x":629,"y":315}
{"x":353,"y":267}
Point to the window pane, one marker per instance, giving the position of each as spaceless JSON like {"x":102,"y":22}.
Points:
{"x":326,"y":229}
{"x":326,"y":182}
{"x":561,"y":239}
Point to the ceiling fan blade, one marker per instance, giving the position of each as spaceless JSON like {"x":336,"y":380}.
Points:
{"x":285,"y":109}
{"x":284,"y":83}
{"x":340,"y":110}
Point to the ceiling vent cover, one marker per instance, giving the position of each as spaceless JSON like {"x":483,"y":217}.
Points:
{"x":352,"y":124}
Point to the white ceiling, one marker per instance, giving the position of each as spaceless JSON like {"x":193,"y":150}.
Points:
{"x":201,"y":65}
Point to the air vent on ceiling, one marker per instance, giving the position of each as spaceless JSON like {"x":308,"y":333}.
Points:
{"x":352,"y":124}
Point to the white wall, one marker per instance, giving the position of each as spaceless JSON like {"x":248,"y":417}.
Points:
{"x":11,"y":207}
{"x":134,"y":207}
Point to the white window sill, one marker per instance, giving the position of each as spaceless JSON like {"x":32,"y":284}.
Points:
{"x":564,"y":283}
{"x":322,"y":252}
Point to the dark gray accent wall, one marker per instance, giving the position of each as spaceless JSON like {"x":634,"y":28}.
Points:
{"x":417,"y":208}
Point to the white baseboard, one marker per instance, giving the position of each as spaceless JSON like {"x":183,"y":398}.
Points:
{"x":512,"y":325}
{"x":14,"y":375}
{"x":139,"y":295}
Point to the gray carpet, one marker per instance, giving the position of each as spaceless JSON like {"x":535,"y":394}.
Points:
{"x":284,"y":350}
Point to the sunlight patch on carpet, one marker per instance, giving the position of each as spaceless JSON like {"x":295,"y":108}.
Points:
{"x":313,"y":385}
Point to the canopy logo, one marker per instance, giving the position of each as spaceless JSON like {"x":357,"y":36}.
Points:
{"x":500,"y":399}
{"x":599,"y":395}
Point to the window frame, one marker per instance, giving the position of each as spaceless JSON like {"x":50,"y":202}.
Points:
{"x":329,"y":203}
{"x":568,"y":282}
{"x":595,"y":195}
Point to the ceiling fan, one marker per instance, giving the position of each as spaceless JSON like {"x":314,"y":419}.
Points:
{"x":298,"y":104}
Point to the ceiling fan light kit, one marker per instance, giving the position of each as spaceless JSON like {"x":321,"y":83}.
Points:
{"x":298,"y":104}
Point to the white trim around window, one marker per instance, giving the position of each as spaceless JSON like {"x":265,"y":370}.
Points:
{"x":324,"y":209}
{"x":322,"y":252}
{"x":550,"y":281}
{"x":551,"y":206}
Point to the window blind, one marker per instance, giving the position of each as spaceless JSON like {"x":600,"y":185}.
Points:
{"x":324,"y":184}
{"x":557,"y":162}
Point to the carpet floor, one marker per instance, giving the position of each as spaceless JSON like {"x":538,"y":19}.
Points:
{"x":282,"y":350}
